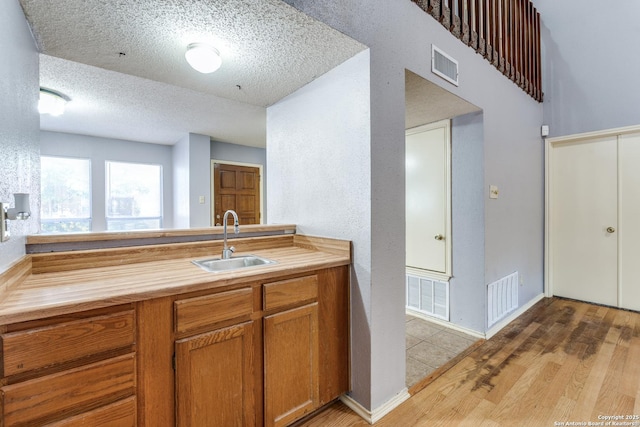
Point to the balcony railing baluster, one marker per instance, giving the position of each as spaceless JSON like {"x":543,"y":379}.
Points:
{"x":505,"y":32}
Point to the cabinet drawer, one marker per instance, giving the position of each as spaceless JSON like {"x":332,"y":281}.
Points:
{"x":290,"y":292}
{"x":195,"y":313}
{"x":51,"y":345}
{"x":68,"y":392}
{"x":119,"y":414}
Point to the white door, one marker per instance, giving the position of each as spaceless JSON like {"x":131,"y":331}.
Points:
{"x":583,"y":215}
{"x":427,"y":197}
{"x":629,"y":225}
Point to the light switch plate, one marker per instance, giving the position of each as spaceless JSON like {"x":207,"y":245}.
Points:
{"x":493,"y":191}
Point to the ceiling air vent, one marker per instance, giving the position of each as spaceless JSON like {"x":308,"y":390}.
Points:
{"x":444,"y":65}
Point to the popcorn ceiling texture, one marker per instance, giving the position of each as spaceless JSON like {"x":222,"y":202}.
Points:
{"x":267,"y":47}
{"x":19,"y":126}
{"x":149,"y":93}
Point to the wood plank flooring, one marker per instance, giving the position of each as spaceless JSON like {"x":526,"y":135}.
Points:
{"x":562,"y":361}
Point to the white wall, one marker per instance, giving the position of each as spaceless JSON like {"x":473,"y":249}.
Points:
{"x":319,"y":179}
{"x":399,"y":35}
{"x":466,"y":290}
{"x":192,"y":179}
{"x":99,"y":150}
{"x":19,"y":125}
{"x":591,"y":65}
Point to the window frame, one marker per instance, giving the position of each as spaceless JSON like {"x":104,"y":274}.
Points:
{"x":89,"y":219}
{"x":110,"y":219}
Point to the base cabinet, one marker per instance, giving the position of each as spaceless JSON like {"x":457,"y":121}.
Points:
{"x":290,"y":365}
{"x":259,"y":354}
{"x":214,"y":378}
{"x":72,"y":370}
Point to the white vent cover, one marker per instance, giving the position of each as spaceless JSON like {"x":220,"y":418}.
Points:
{"x":502,"y":298}
{"x":428,"y":296}
{"x":444,"y":65}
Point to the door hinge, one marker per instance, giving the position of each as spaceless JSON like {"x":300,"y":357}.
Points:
{"x":173,"y":361}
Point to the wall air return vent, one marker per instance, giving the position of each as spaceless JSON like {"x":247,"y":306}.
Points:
{"x":444,"y":65}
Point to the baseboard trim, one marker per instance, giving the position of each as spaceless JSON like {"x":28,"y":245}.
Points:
{"x":513,"y":316}
{"x":374,"y":416}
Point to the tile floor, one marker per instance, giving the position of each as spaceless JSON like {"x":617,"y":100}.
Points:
{"x":429,"y":346}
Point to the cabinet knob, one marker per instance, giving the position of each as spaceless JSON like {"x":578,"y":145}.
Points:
{"x":439,"y":237}
{"x":611,"y":230}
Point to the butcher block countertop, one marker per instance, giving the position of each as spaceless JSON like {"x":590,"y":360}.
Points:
{"x":51,"y":284}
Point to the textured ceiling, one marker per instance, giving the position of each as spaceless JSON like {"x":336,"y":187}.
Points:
{"x":269,"y":49}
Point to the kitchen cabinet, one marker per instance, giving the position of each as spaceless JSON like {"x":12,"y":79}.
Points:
{"x":291,"y":364}
{"x":214,"y":378}
{"x":214,"y":370}
{"x":267,"y":351}
{"x":290,"y":349}
{"x":69,"y":369}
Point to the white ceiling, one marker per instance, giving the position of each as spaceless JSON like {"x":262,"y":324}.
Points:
{"x":149,"y":93}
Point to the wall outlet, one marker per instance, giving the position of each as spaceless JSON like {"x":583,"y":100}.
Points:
{"x":201,"y":200}
{"x":493,"y":191}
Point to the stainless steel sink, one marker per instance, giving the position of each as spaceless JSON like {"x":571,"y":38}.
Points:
{"x":242,"y":261}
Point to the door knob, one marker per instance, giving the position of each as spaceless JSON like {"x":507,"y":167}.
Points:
{"x":439,"y":237}
{"x":611,"y":230}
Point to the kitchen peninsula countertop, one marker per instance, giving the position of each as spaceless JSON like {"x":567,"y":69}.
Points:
{"x":63,"y":282}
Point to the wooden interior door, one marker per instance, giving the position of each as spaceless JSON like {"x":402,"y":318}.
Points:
{"x":427,"y":197}
{"x":583,"y":214}
{"x":236,"y":188}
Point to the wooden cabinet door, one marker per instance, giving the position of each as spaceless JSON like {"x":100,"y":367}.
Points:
{"x":214,"y":378}
{"x":291,"y":364}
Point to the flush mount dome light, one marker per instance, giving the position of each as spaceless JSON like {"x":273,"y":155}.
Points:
{"x":51,"y":102}
{"x":203,"y":58}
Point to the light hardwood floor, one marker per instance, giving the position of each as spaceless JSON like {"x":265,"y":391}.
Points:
{"x":562,"y":361}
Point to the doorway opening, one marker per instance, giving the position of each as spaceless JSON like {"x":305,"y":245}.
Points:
{"x":431,"y":340}
{"x":237,"y":186}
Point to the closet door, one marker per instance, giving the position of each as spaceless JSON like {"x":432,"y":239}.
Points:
{"x":584,"y":204}
{"x":428,"y":201}
{"x":629,"y":164}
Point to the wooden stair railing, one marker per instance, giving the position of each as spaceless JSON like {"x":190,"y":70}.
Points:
{"x":505,"y":32}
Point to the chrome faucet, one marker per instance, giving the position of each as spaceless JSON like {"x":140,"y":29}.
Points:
{"x":228,"y":251}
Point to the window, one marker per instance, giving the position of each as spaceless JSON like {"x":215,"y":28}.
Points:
{"x":66,"y":195}
{"x":134,"y":196}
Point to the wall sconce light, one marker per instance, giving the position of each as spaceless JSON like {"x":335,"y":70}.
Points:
{"x":21,"y":210}
{"x":203,"y":57}
{"x":51,"y":102}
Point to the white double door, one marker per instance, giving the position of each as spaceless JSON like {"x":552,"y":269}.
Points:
{"x":594,"y":218}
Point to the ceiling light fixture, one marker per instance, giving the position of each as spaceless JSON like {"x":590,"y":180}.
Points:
{"x":203,"y":57}
{"x":51,"y":102}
